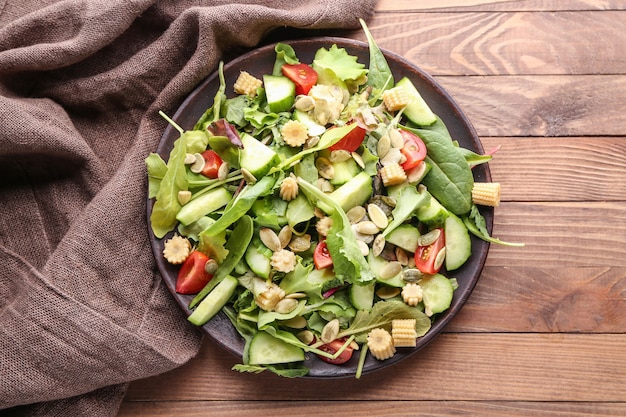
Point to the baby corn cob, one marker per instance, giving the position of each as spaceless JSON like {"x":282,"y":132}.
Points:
{"x":486,"y":193}
{"x":392,"y":174}
{"x":247,"y":84}
{"x":396,"y":98}
{"x":380,"y":343}
{"x":403,"y":333}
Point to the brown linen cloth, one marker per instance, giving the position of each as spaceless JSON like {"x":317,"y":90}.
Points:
{"x":83,"y":309}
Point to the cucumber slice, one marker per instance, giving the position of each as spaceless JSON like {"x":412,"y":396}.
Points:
{"x":344,"y":171}
{"x":214,"y":301}
{"x":362,"y":296}
{"x":280,"y":92}
{"x":202,"y":205}
{"x":256,"y":157}
{"x":434,"y":214}
{"x":437,"y":293}
{"x":258,"y":262}
{"x":377,"y":264}
{"x":458,"y":242}
{"x":353,"y":193}
{"x":418,"y":111}
{"x":265,"y":349}
{"x":404,"y":236}
{"x":313,"y":128}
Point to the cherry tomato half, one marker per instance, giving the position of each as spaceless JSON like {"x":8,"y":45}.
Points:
{"x":192,"y":277}
{"x":427,"y":258}
{"x":351,"y":141}
{"x":414,"y":150}
{"x":332,"y":348}
{"x":321,"y":256}
{"x":212,"y":164}
{"x":302,"y":75}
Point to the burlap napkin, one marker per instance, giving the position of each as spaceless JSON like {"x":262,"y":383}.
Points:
{"x":82,"y":306}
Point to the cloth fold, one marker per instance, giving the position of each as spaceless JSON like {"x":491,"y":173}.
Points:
{"x":83,"y":309}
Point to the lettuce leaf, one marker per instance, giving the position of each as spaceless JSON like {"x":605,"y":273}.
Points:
{"x":343,"y":65}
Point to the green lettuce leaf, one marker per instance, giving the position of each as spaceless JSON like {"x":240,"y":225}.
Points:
{"x":342,"y":64}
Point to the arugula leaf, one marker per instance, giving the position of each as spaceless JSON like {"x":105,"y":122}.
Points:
{"x":381,"y":315}
{"x":475,"y":223}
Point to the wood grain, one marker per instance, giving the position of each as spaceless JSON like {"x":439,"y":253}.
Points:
{"x":498,"y":5}
{"x":504,"y":367}
{"x":506,"y":43}
{"x":379,"y":408}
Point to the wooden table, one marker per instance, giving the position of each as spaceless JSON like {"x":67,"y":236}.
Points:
{"x":543,"y":333}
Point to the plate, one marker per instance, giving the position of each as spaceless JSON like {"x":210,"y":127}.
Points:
{"x":260,"y":61}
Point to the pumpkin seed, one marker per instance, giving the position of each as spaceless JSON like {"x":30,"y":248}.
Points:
{"x":377,"y":215}
{"x":297,"y":322}
{"x":190,"y":159}
{"x":184,"y":196}
{"x":304,"y":103}
{"x":325,"y":168}
{"x":330,"y":331}
{"x":222,"y":172}
{"x":429,"y":238}
{"x":358,"y":159}
{"x":356,"y":214}
{"x":361,"y":236}
{"x":394,"y":156}
{"x":340,"y":155}
{"x":378,"y":245}
{"x":402,"y":257}
{"x":412,"y":275}
{"x":210,"y":267}
{"x":296,"y":295}
{"x":386,"y":292}
{"x":286,"y":305}
{"x":300,"y":243}
{"x":365,"y":250}
{"x":198,"y":165}
{"x":311,"y":142}
{"x":324,"y":185}
{"x":383,"y":146}
{"x":390,"y":201}
{"x":247,"y":175}
{"x":441,"y":256}
{"x":396,"y":138}
{"x":270,"y":239}
{"x":306,"y":336}
{"x":367,"y":227}
{"x":284,"y":236}
{"x":390,"y":270}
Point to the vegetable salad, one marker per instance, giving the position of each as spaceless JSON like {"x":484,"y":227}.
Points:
{"x":321,"y":207}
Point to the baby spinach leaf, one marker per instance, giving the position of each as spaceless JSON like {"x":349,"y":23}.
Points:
{"x":450,"y":178}
{"x":379,"y":75}
{"x":156,"y":168}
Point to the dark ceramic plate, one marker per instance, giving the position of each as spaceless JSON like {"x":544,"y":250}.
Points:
{"x":261,"y":61}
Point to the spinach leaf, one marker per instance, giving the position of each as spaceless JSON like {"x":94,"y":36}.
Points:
{"x":379,"y":75}
{"x":450,"y":178}
{"x":156,"y":167}
{"x":299,"y":210}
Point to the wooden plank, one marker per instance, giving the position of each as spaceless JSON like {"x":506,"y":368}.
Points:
{"x":469,"y":367}
{"x":546,"y":299}
{"x":499,"y":5}
{"x":560,"y":235}
{"x":542,"y":105}
{"x":511,"y":43}
{"x":380,"y":408}
{"x":559,"y":169}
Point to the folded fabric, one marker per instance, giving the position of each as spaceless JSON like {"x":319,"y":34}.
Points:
{"x":83,"y":309}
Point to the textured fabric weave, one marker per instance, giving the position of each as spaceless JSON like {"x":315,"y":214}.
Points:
{"x":83,"y":310}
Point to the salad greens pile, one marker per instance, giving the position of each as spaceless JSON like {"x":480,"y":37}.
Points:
{"x":306,"y":210}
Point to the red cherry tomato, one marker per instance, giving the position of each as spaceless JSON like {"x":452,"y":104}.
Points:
{"x":212,"y":164}
{"x":351,"y":141}
{"x":302,"y":75}
{"x":321,"y":256}
{"x":426,"y":256}
{"x":414,"y":150}
{"x":332,"y":348}
{"x":192,"y":277}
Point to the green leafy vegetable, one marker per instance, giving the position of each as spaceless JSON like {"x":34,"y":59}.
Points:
{"x":475,"y":223}
{"x":156,"y":168}
{"x":409,"y":200}
{"x":284,"y":55}
{"x":379,"y":75}
{"x":344,"y":66}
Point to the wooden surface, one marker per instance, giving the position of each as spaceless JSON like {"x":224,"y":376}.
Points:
{"x":544,"y":332}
